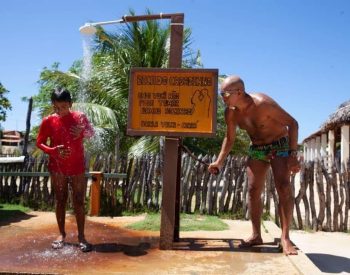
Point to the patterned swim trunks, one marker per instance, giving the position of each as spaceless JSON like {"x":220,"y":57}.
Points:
{"x":267,"y":152}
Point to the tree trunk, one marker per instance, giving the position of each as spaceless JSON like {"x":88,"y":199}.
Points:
{"x":312,"y":197}
{"x":321,"y":195}
{"x":300,"y":195}
{"x":328,"y":199}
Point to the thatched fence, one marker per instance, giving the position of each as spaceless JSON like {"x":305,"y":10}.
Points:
{"x":324,"y":196}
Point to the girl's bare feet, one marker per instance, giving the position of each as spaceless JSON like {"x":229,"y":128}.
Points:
{"x":59,"y":242}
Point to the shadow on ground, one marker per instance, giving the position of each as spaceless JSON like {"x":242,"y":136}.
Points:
{"x":330,"y":263}
{"x":129,"y":250}
{"x":10,"y":216}
{"x":233,"y":245}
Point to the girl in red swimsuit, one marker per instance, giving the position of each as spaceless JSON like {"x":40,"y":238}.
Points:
{"x":65,"y":130}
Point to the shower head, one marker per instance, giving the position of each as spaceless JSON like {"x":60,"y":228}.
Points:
{"x":90,"y":28}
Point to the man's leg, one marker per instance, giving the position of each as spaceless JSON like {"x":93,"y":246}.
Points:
{"x":60,"y":185}
{"x":286,"y":201}
{"x":256,"y":172}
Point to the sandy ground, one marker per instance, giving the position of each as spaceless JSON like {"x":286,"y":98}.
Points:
{"x":25,"y":247}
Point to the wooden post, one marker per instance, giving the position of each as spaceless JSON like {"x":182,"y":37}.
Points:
{"x":95,"y":196}
{"x":170,"y":215}
{"x":26,"y":136}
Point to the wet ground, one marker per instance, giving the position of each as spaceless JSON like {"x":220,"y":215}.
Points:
{"x":25,"y":247}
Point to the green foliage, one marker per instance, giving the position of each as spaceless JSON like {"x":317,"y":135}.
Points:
{"x":8,"y":211}
{"x":188,"y":222}
{"x":4,"y":103}
{"x":50,"y":78}
{"x":238,"y":215}
{"x":19,"y":207}
{"x":199,"y":222}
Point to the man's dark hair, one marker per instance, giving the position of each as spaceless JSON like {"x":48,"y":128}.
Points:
{"x":61,"y":95}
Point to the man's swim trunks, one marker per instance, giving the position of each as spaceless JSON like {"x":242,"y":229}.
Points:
{"x":266,"y":152}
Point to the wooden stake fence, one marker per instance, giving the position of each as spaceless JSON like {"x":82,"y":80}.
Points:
{"x":325,"y":196}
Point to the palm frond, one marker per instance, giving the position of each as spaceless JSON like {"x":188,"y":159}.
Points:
{"x":100,"y":116}
{"x":145,"y":144}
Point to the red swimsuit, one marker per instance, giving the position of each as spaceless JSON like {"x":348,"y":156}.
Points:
{"x":57,"y":129}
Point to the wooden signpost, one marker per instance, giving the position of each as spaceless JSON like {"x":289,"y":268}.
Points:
{"x":172,"y":103}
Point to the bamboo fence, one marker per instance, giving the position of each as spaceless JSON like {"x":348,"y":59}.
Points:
{"x":325,"y":196}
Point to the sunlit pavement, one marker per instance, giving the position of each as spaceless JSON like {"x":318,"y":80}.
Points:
{"x":329,"y":251}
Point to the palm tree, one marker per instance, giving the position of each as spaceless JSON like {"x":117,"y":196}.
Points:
{"x":103,"y":118}
{"x":140,"y":44}
{"x":4,"y":103}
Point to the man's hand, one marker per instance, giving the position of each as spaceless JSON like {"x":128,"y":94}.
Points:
{"x":76,"y":131}
{"x":214,"y":168}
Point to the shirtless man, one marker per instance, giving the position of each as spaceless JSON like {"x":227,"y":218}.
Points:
{"x":274,"y":140}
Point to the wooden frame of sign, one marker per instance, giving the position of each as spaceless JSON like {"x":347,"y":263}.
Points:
{"x":172,"y":102}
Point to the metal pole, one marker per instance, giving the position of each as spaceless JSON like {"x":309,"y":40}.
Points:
{"x":169,"y":230}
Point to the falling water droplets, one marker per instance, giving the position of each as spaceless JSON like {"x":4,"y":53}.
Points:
{"x":97,"y":143}
{"x":86,"y":69}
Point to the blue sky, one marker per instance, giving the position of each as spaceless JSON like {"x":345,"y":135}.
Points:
{"x":298,"y":52}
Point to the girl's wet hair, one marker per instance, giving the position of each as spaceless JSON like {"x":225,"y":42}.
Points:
{"x":61,"y":95}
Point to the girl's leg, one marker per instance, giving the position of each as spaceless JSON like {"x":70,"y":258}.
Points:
{"x":79,"y":191}
{"x":60,"y":185}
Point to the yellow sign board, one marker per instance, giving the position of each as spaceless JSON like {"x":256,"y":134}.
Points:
{"x":172,"y":102}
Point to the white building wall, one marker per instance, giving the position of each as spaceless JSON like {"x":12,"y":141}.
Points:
{"x":324,"y":155}
{"x":318,"y":148}
{"x":313,"y":149}
{"x":309,"y":150}
{"x":305,"y":151}
{"x":331,"y":153}
{"x":344,"y":146}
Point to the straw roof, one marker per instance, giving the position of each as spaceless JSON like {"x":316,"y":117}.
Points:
{"x":340,"y":117}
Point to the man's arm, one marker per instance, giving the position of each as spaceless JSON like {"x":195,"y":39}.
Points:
{"x":284,"y":118}
{"x":227,"y":143}
{"x":281,"y":116}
